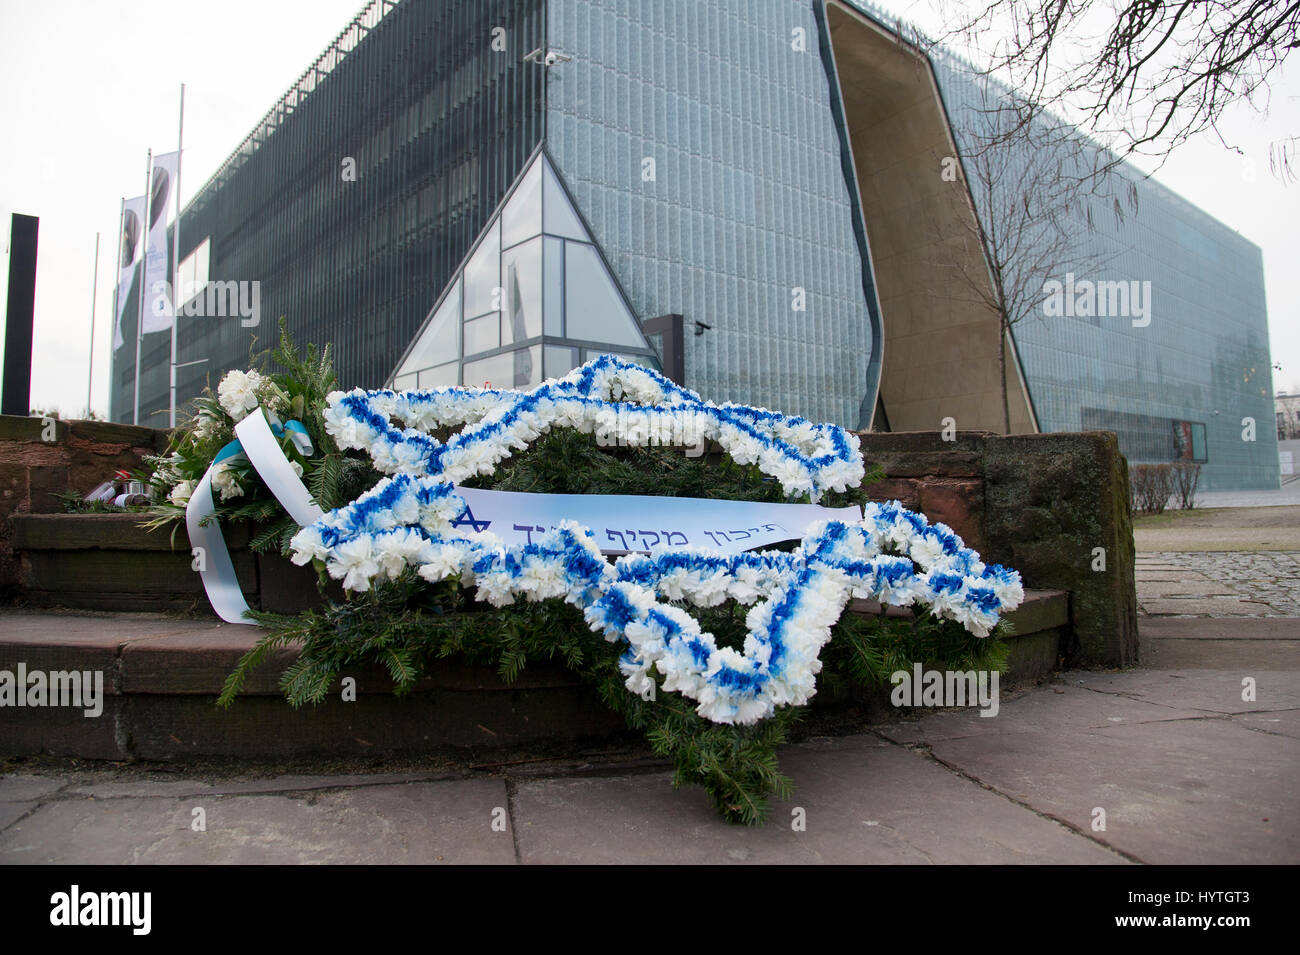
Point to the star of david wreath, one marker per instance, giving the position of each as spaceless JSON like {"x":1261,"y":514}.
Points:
{"x":415,"y":519}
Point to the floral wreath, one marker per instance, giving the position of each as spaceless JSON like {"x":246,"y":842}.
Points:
{"x":412,"y":520}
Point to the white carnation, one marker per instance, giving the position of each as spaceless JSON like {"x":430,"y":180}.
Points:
{"x":226,"y":482}
{"x":181,"y":493}
{"x":238,"y":392}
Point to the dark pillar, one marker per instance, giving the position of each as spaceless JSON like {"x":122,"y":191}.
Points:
{"x":665,"y":332}
{"x":19,"y":317}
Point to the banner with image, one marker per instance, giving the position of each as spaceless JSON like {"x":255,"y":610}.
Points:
{"x":132,"y":225}
{"x":158,"y":301}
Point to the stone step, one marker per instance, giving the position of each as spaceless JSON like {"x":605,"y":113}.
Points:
{"x":112,"y":562}
{"x":161,"y":675}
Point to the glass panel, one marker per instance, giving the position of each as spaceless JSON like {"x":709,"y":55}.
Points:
{"x":447,"y":374}
{"x":518,"y":369}
{"x":193,"y":272}
{"x":553,"y":286}
{"x":482,"y":334}
{"x":494,"y":372}
{"x":560,"y":360}
{"x":560,"y":217}
{"x":593,"y":309}
{"x":405,"y":382}
{"x":528,"y":367}
{"x":522,"y":217}
{"x":521,"y":270}
{"x":483,"y":275}
{"x":439,"y":341}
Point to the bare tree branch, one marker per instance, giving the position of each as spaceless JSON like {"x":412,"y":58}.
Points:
{"x":1145,"y":75}
{"x":1032,"y":180}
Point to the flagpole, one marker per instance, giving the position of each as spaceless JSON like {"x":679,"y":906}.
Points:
{"x":117,"y":280}
{"x":176,"y":255}
{"x":94,"y":294}
{"x":139,"y":321}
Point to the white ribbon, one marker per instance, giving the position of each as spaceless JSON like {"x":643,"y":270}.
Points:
{"x":215,"y":567}
{"x":624,"y":523}
{"x":273,"y":468}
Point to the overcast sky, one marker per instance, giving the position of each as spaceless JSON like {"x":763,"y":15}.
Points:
{"x":81,"y":108}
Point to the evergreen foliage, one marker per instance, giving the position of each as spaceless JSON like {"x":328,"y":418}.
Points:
{"x":333,"y":477}
{"x":407,"y":624}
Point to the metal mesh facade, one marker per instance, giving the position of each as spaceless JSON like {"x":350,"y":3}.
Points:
{"x":439,"y":124}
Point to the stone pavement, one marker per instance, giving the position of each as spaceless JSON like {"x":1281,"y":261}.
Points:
{"x":1221,"y":584}
{"x":1166,"y":763}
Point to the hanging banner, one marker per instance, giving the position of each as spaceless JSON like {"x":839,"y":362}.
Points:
{"x":158,"y":313}
{"x":132,"y":224}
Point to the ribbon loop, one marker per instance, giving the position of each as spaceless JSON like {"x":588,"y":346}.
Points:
{"x":256,"y":441}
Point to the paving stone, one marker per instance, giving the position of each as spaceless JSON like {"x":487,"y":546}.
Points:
{"x":1213,"y":606}
{"x":1185,"y":587}
{"x":413,"y":823}
{"x":1281,"y":722}
{"x":22,"y":787}
{"x":1211,"y":628}
{"x":1186,"y":770}
{"x":111,"y":786}
{"x":864,"y":801}
{"x":1207,"y":690}
{"x":1206,"y":654}
{"x":1072,"y":709}
{"x":1180,"y":792}
{"x":11,"y":812}
{"x":1264,"y":576}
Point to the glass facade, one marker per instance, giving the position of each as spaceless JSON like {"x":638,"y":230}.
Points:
{"x":533,"y":285}
{"x":444,"y":210}
{"x":699,"y":144}
{"x":1196,"y":382}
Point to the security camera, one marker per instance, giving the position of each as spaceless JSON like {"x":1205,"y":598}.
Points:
{"x":547,"y":58}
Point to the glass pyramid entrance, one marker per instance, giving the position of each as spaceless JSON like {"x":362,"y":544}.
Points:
{"x":534,"y":299}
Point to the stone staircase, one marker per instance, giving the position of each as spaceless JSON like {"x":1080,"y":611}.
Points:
{"x":97,"y":592}
{"x":111,"y":562}
{"x":103,"y":594}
